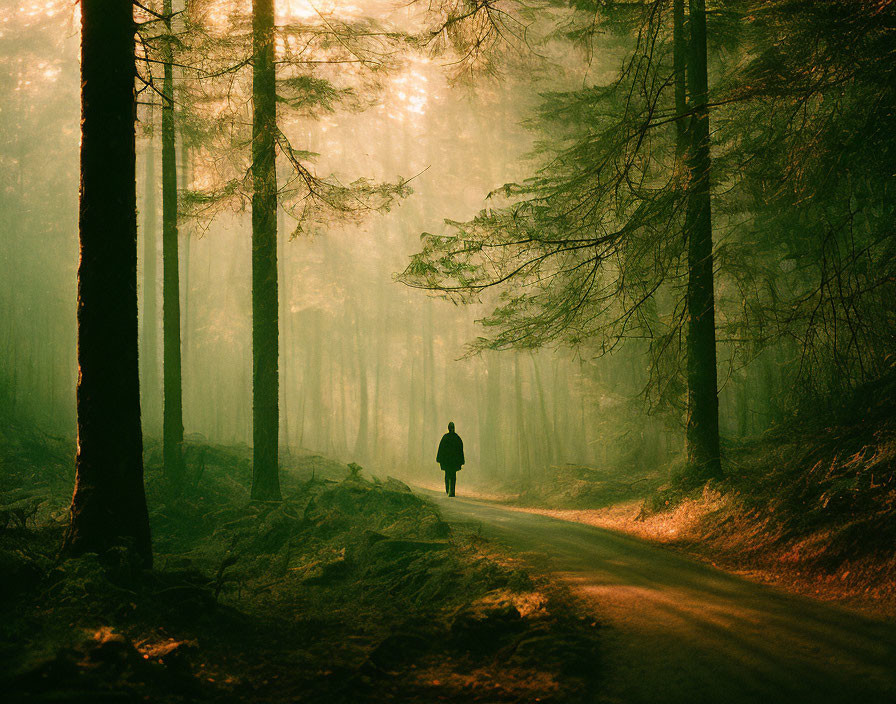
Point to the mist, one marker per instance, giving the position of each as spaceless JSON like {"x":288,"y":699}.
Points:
{"x":390,"y":351}
{"x":371,"y":371}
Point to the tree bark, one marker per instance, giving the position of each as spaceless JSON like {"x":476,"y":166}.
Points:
{"x":265,"y":410}
{"x":703,"y":399}
{"x":172,"y":414}
{"x":679,"y":66}
{"x":150,"y":351}
{"x":109,"y":503}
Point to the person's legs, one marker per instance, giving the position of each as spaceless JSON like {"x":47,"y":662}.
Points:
{"x":452,"y":478}
{"x":447,"y":482}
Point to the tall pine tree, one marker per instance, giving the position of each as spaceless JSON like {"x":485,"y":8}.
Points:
{"x":109,"y":503}
{"x":265,"y":333}
{"x":173,"y":414}
{"x":703,"y":392}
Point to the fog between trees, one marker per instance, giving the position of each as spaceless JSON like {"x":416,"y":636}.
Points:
{"x":371,"y":370}
{"x":256,"y":255}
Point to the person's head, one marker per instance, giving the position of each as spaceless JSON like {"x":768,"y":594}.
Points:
{"x":451,"y":427}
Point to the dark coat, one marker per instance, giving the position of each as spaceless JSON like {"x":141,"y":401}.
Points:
{"x":451,"y":452}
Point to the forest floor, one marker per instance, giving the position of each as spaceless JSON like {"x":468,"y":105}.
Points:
{"x":677,"y":630}
{"x":809,"y":507}
{"x":351,"y":589}
{"x":717,"y":529}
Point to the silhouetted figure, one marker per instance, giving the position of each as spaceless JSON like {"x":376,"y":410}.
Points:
{"x":450,"y":457}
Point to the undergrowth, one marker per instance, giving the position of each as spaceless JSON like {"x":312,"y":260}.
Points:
{"x":351,"y":589}
{"x":814,"y":498}
{"x":578,"y":486}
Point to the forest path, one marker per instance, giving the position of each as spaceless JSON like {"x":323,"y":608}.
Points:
{"x":681,"y":631}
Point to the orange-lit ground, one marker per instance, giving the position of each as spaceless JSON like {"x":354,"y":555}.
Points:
{"x":682,"y":631}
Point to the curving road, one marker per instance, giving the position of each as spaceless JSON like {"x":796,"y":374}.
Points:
{"x":681,"y":631}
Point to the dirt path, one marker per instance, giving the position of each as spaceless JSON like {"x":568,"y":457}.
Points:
{"x":681,"y":631}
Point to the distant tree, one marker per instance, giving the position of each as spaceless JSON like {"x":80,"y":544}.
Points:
{"x":40,"y":88}
{"x":173,"y":413}
{"x":285,"y":60}
{"x":592,"y":242}
{"x":265,"y":331}
{"x":800,"y":183}
{"x":149,"y":364}
{"x":109,"y":504}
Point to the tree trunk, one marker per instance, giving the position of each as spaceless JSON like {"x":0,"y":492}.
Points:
{"x":547,"y":425}
{"x":172,"y":415}
{"x":378,"y":371}
{"x":362,"y":443}
{"x":431,"y":423}
{"x":339,"y":381}
{"x":703,"y":399}
{"x":109,"y":503}
{"x":185,"y":269}
{"x":150,"y":351}
{"x":524,"y":466}
{"x":313,"y":388}
{"x":265,"y":410}
{"x":491,"y":435}
{"x":560,"y":383}
{"x":679,"y":65}
{"x":415,"y":400}
{"x":284,"y":321}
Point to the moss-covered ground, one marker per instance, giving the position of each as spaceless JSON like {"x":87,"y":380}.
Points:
{"x":352,"y":589}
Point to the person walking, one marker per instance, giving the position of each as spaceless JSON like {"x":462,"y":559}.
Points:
{"x":450,"y":457}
